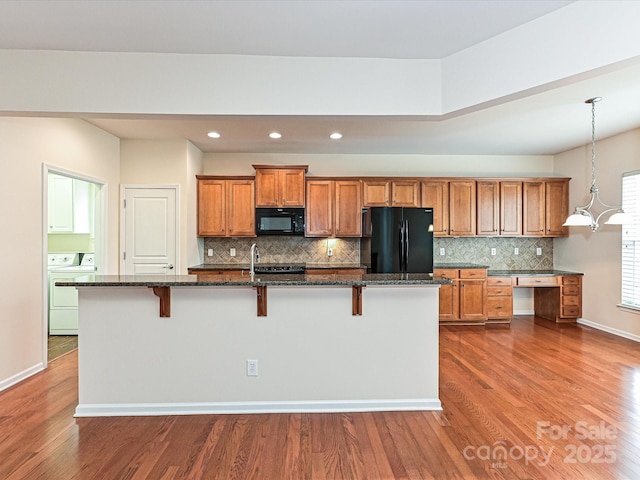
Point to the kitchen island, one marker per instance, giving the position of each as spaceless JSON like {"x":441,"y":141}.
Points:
{"x":200,"y":345}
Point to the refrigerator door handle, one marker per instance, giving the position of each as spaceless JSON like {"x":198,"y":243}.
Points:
{"x":401,"y":245}
{"x":406,"y":245}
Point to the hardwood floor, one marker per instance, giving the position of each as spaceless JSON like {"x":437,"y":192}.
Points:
{"x":58,"y":345}
{"x":533,"y":401}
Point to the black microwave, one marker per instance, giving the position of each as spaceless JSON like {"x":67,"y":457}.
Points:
{"x":279,"y":221}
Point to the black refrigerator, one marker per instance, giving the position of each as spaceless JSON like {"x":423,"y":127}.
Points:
{"x":397,"y":240}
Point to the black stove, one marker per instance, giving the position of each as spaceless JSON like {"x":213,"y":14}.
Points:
{"x":286,"y":268}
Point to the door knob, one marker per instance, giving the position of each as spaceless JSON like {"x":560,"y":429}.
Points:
{"x":169,"y":266}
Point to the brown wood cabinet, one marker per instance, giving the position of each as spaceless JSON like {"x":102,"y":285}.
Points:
{"x":454,"y":206}
{"x":499,"y":299}
{"x":435,"y":194}
{"x":333,"y":208}
{"x":511,"y":208}
{"x":462,"y":208}
{"x":391,"y":193}
{"x":488,"y":208}
{"x":464,"y":302}
{"x":545,"y":207}
{"x":280,"y":186}
{"x":499,"y":207}
{"x":560,"y":303}
{"x":225,"y":207}
{"x":556,"y":207}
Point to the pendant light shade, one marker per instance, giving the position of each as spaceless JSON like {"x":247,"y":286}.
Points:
{"x":583,"y":216}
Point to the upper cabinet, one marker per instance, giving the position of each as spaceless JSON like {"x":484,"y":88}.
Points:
{"x":225,"y":207}
{"x":280,"y":186}
{"x":454,"y":206}
{"x":60,"y":204}
{"x":334,"y":208}
{"x":70,"y":205}
{"x":545,"y":207}
{"x":391,"y":193}
{"x":499,"y":208}
{"x":462,"y":208}
{"x":488,"y":208}
{"x":435,"y":194}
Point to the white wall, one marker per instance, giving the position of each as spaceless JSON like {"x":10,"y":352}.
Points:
{"x":598,"y":255}
{"x":395,"y":165}
{"x":570,"y":42}
{"x":169,"y":162}
{"x":25,"y":145}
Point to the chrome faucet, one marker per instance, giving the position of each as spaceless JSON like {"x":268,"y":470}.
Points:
{"x":255,"y":256}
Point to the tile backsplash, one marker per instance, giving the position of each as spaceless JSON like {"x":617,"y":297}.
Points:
{"x":478,"y":250}
{"x":274,"y":249}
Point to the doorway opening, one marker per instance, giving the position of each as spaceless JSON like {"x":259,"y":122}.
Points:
{"x":75,"y":246}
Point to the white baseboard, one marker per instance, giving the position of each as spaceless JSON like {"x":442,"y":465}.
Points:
{"x":614,"y":331}
{"x":150,"y":409}
{"x":523,"y":312}
{"x":18,"y":377}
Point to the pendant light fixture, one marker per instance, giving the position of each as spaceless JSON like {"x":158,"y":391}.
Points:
{"x":583,"y":216}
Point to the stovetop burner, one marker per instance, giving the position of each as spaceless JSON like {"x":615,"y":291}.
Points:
{"x":279,"y":269}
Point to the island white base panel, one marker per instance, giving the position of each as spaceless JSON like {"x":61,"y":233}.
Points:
{"x":313,"y":355}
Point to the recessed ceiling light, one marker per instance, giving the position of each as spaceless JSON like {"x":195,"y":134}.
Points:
{"x":335,"y":136}
{"x":275,"y":135}
{"x":213,"y":135}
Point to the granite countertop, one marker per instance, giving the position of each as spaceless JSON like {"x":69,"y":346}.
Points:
{"x":458,"y":265}
{"x":246,"y":266}
{"x":256,"y":281}
{"x":524,"y":273}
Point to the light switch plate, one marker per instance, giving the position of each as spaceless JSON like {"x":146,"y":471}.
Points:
{"x":232,"y":252}
{"x":210,"y":252}
{"x":538,"y":251}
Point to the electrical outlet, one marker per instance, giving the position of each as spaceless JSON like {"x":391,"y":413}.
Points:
{"x":232,"y":252}
{"x":329,"y":252}
{"x":252,"y":368}
{"x":538,"y":251}
{"x":210,"y":252}
{"x":493,"y":251}
{"x":516,"y":251}
{"x":442,"y":252}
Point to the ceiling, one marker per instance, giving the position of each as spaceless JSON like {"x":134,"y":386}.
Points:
{"x":552,"y":120}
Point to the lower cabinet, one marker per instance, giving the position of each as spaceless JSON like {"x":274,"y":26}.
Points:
{"x":464,"y":301}
{"x":563,"y":302}
{"x":499,"y":299}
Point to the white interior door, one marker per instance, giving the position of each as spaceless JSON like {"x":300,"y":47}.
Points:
{"x":150,"y":231}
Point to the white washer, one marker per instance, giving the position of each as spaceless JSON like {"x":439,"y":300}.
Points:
{"x":63,"y":301}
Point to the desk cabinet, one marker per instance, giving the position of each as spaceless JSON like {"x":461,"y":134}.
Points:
{"x":563,"y":302}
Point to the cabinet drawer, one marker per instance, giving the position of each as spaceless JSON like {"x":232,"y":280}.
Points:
{"x":499,"y":281}
{"x":572,"y":300}
{"x":571,"y":290}
{"x":499,"y":307}
{"x":473,"y":273}
{"x":447,"y":273}
{"x":570,"y":280}
{"x":537,"y":281}
{"x":570,"y":311}
{"x":498,"y":291}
